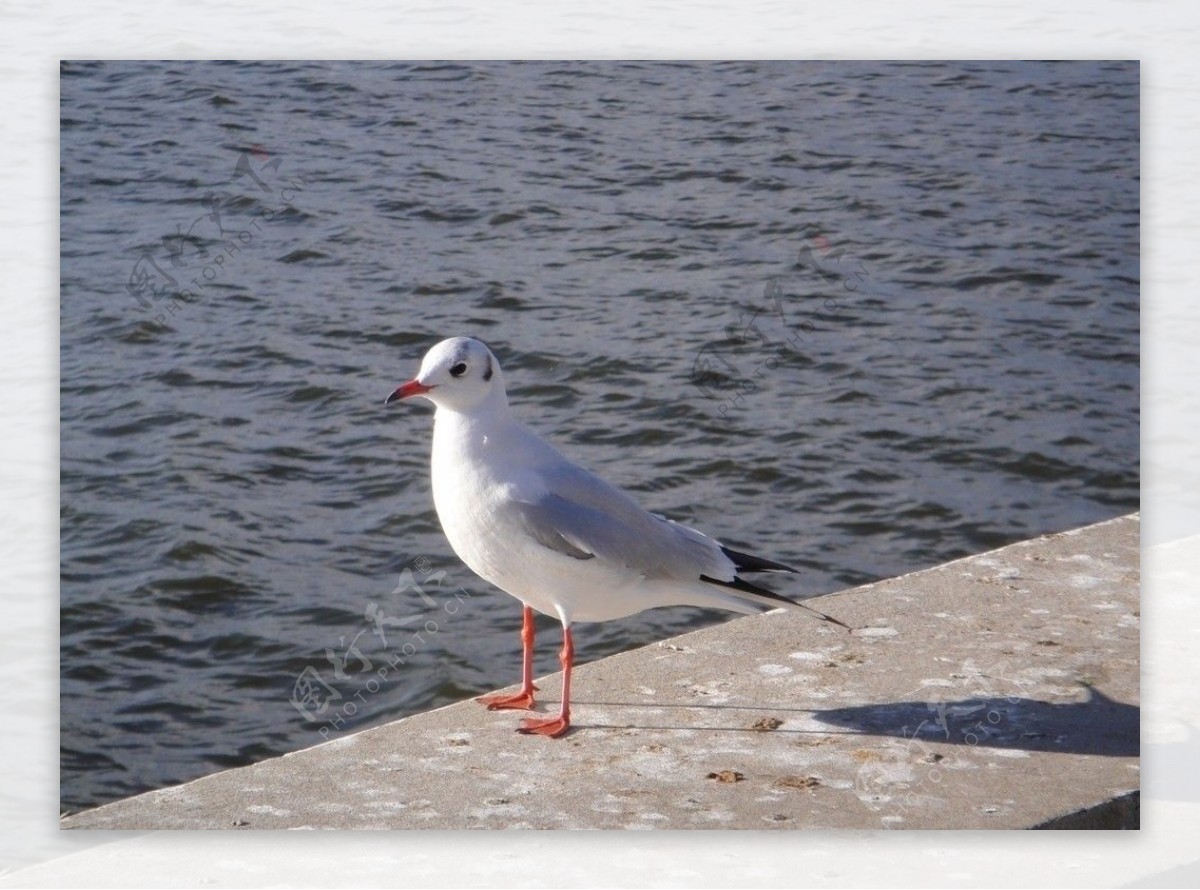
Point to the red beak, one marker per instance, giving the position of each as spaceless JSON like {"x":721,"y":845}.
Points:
{"x":408,"y":390}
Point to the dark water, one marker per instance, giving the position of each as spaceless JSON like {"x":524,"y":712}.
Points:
{"x":864,"y":318}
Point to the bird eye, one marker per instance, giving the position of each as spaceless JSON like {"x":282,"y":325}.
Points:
{"x":458,"y":370}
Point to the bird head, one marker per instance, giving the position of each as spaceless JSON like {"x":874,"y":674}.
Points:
{"x":459,"y":374}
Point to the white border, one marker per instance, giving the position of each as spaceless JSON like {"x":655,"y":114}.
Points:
{"x":34,"y":38}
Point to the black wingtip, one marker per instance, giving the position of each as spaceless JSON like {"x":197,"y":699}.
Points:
{"x":824,"y":617}
{"x":761,"y":593}
{"x":748,"y":562}
{"x":741,"y":585}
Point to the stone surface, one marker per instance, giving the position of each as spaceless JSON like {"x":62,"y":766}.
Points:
{"x":997,"y":691}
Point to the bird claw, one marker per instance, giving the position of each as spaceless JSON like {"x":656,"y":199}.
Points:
{"x":552,"y":726}
{"x":496,"y":701}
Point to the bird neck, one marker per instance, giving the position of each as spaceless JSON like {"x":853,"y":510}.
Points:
{"x":487,"y":419}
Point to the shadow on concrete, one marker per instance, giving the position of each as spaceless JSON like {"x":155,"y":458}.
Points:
{"x":1100,"y":725}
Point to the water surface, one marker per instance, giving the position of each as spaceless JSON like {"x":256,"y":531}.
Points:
{"x":862,"y":318}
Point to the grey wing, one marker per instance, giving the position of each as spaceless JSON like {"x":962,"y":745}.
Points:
{"x":540,"y":521}
{"x":620,"y":533}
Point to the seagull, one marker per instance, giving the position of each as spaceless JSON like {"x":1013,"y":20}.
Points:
{"x":558,"y":538}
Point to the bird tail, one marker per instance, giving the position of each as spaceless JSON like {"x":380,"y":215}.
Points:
{"x":744,"y":590}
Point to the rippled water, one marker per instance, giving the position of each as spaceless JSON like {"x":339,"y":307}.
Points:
{"x":865,"y":318}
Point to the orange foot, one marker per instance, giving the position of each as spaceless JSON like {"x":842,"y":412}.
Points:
{"x":550,"y":726}
{"x":498,"y":701}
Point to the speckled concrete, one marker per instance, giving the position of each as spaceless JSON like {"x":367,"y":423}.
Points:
{"x":997,"y":691}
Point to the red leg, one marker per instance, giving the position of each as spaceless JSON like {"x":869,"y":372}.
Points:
{"x":523,"y":700}
{"x":556,"y":726}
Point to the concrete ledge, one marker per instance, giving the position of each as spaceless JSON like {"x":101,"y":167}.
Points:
{"x":997,"y":691}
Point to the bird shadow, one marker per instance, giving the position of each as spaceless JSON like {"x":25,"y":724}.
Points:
{"x":1099,"y":725}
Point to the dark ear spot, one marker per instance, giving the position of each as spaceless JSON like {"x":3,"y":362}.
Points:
{"x":487,"y":368}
